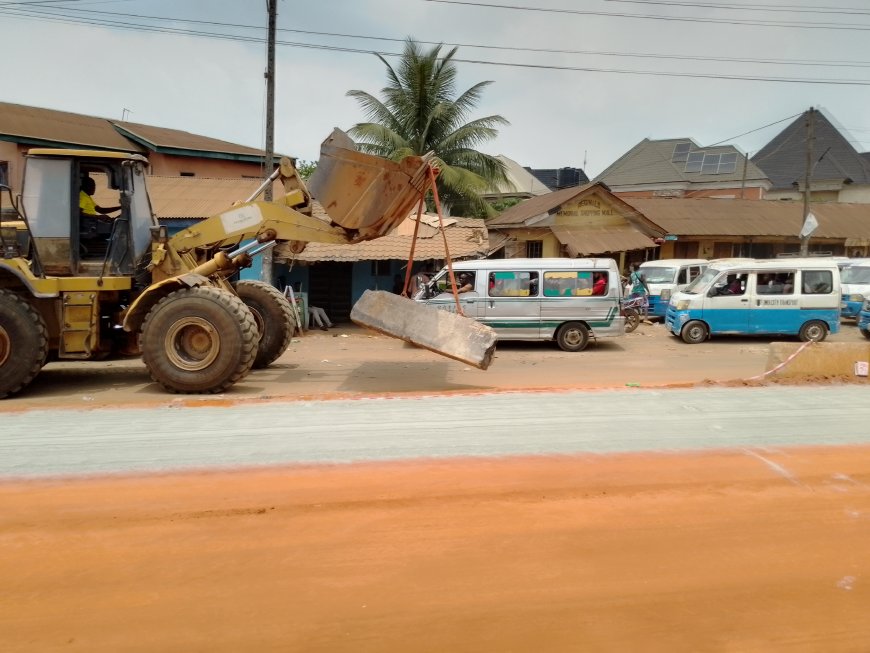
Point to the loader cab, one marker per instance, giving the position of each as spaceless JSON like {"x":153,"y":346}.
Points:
{"x":68,"y":243}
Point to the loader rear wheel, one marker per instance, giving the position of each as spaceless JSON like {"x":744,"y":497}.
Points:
{"x":199,"y":340}
{"x":273,"y":315}
{"x":23,"y":343}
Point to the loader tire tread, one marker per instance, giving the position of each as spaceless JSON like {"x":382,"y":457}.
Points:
{"x":23,"y":343}
{"x":273,"y":315}
{"x":234,"y":329}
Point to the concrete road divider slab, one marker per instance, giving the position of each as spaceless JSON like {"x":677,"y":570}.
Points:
{"x":443,"y":332}
{"x":831,"y":359}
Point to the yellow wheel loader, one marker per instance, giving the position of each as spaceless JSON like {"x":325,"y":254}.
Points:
{"x":80,"y":287}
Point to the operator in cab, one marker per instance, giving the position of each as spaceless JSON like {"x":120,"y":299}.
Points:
{"x":87,"y":206}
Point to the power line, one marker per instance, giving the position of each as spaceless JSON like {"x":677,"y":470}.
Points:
{"x":685,"y":19}
{"x":792,"y":9}
{"x":589,"y":69}
{"x":752,"y":131}
{"x":640,"y":55}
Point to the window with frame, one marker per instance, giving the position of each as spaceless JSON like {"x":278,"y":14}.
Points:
{"x":574,"y":283}
{"x":775,"y":283}
{"x":817,"y":282}
{"x":513,"y":284}
{"x":534,"y":249}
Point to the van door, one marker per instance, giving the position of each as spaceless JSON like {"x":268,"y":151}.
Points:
{"x":726,"y":307}
{"x":512,"y":304}
{"x":774,"y":303}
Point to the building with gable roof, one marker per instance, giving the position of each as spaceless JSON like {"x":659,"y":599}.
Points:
{"x":581,"y":221}
{"x":170,"y":152}
{"x":679,"y":167}
{"x":839,"y":172}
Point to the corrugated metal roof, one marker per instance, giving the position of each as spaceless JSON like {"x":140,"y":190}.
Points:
{"x":711,"y":217}
{"x":36,"y":124}
{"x":467,"y":238}
{"x":583,"y":242}
{"x":536,"y":206}
{"x":63,"y":128}
{"x":162,"y":137}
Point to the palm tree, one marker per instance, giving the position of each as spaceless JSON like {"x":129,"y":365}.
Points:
{"x":419,"y":114}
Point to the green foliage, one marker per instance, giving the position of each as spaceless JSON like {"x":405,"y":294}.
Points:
{"x":305,"y":168}
{"x":419,"y":112}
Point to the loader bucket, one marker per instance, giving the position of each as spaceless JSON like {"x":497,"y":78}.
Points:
{"x":365,"y":193}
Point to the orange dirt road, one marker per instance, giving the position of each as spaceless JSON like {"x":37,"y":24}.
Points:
{"x":729,"y":551}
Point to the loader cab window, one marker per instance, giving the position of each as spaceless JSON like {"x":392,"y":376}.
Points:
{"x":99,"y":204}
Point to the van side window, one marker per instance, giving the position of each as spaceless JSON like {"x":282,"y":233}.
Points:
{"x":694,"y":272}
{"x":568,"y":284}
{"x":732,"y":284}
{"x":513,"y":284}
{"x":817,"y":282}
{"x":775,"y":283}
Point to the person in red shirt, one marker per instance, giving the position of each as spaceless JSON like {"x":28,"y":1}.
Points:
{"x":599,"y":285}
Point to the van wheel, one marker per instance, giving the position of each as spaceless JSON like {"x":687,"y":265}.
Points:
{"x":695,"y":332}
{"x":573,"y":336}
{"x":814,"y":330}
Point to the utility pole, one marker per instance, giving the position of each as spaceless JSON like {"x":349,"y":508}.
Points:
{"x":272,"y":7}
{"x":805,"y":239}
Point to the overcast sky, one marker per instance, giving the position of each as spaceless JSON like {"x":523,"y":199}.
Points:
{"x":570,"y":104}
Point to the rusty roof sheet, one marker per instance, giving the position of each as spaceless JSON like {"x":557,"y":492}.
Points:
{"x":583,"y":242}
{"x":162,"y":137}
{"x":466,"y":238}
{"x":191,"y":197}
{"x":61,"y":128}
{"x":714,"y":217}
{"x":534,"y":207}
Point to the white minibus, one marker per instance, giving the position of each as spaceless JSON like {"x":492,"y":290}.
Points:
{"x":855,"y":286}
{"x":663,"y":278}
{"x":794,"y":296}
{"x":562,"y":299}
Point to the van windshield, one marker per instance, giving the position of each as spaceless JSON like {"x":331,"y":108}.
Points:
{"x":700,"y":284}
{"x":856,"y":274}
{"x":658,"y":275}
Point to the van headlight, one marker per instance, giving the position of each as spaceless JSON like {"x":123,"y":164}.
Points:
{"x":867,"y":304}
{"x":856,"y":298}
{"x":666,"y":295}
{"x":682,"y":305}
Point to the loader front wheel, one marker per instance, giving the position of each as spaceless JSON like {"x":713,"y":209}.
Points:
{"x":199,"y":340}
{"x":273,"y":315}
{"x":23,"y":343}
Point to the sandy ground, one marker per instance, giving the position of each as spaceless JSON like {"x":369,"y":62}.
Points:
{"x":349,"y":362}
{"x":727,"y":551}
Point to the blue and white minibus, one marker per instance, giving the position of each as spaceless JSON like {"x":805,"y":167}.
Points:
{"x":855,"y":286}
{"x":664,"y":277}
{"x":786,"y":297}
